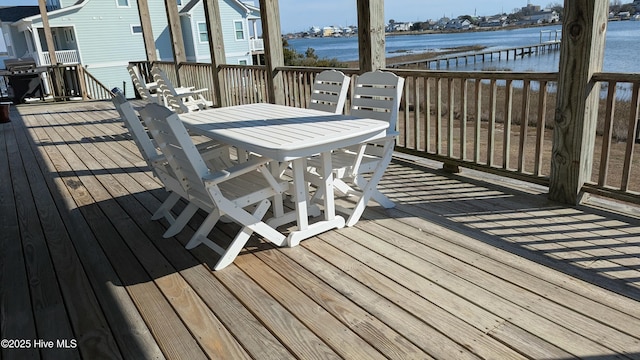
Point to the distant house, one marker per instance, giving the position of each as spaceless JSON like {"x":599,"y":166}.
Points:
{"x":543,"y":16}
{"x":399,"y":26}
{"x":459,"y":24}
{"x":103,"y":36}
{"x":493,"y":22}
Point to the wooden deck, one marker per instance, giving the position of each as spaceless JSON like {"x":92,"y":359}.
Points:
{"x":465,"y":267}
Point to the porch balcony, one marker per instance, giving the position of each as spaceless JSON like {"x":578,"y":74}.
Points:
{"x":466,"y":266}
{"x":63,"y":57}
{"x":256,"y":46}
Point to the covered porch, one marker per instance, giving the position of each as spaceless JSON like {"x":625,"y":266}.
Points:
{"x":466,"y":266}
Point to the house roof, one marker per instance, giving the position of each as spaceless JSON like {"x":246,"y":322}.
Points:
{"x":15,"y":13}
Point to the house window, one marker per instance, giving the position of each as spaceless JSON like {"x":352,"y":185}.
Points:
{"x":239,"y":29}
{"x":136,"y":29}
{"x":202,"y":32}
{"x":68,"y":35}
{"x":243,"y":62}
{"x":122,"y":3}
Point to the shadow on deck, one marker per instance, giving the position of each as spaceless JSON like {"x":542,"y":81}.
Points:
{"x":466,"y":266}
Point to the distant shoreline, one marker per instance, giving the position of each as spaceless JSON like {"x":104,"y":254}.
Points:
{"x":475,"y":29}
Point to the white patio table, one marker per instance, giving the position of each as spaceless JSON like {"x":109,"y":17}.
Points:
{"x":289,"y":134}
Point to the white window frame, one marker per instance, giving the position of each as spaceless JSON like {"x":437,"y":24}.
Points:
{"x":200,"y":33}
{"x":246,"y":60}
{"x":123,"y":6}
{"x":235,"y":30}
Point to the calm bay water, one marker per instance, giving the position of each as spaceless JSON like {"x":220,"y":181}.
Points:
{"x":622,"y":47}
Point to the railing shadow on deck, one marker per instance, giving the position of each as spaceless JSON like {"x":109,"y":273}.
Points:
{"x":591,"y":244}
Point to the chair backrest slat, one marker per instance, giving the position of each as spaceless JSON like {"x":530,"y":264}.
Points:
{"x":178,"y":148}
{"x":135,"y":127}
{"x":376,"y":95}
{"x":138,"y":83}
{"x":168,"y":91}
{"x":329,"y":91}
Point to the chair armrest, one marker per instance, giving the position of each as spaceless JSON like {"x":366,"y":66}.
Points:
{"x":223,"y":175}
{"x":184,"y":89}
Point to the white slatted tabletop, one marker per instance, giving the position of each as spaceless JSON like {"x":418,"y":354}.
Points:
{"x":280,"y":132}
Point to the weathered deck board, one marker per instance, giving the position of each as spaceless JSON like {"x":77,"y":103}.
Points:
{"x":463,"y":267}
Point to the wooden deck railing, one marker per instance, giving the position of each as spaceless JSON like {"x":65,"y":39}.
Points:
{"x":498,"y":122}
{"x":244,"y":84}
{"x":616,"y":170}
{"x":491,"y":121}
{"x":66,"y":82}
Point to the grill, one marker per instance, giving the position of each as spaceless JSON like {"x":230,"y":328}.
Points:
{"x":18,"y":65}
{"x":24,"y":79}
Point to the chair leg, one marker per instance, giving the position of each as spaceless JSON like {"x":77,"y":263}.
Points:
{"x":369,"y":188}
{"x":241,"y":239}
{"x":165,"y":209}
{"x":181,"y":221}
{"x":203,"y":231}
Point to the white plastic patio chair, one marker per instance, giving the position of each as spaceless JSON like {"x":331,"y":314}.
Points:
{"x":143,"y":89}
{"x":212,"y":151}
{"x":220,"y":192}
{"x":177,"y":99}
{"x":329,"y":91}
{"x":376,"y":95}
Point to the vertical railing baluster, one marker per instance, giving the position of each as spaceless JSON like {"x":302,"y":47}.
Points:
{"x":427,"y":115}
{"x":416,"y":113}
{"x":542,"y":117}
{"x":607,"y":134}
{"x":463,"y":118}
{"x":524,"y":124}
{"x":450,"y":126}
{"x":508,"y":114}
{"x":632,"y":136}
{"x":438,"y":115}
{"x":491,"y":131}
{"x":478,"y":128}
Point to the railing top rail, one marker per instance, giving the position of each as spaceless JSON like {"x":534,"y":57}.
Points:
{"x":498,"y":75}
{"x":618,"y":77}
{"x":236,"y":66}
{"x":350,"y":71}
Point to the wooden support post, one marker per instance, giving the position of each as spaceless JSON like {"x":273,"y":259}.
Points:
{"x":147,"y":31}
{"x":581,"y":54}
{"x":274,"y":55}
{"x":371,"y":35}
{"x":175,"y":32}
{"x":216,"y":47}
{"x":47,"y":32}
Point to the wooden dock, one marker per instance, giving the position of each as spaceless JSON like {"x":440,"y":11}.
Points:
{"x":465,"y":267}
{"x":446,"y":62}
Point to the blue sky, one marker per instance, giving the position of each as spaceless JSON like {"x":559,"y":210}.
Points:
{"x":299,"y":15}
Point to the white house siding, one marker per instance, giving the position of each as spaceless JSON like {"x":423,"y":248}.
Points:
{"x":189,"y":35}
{"x":235,"y":51}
